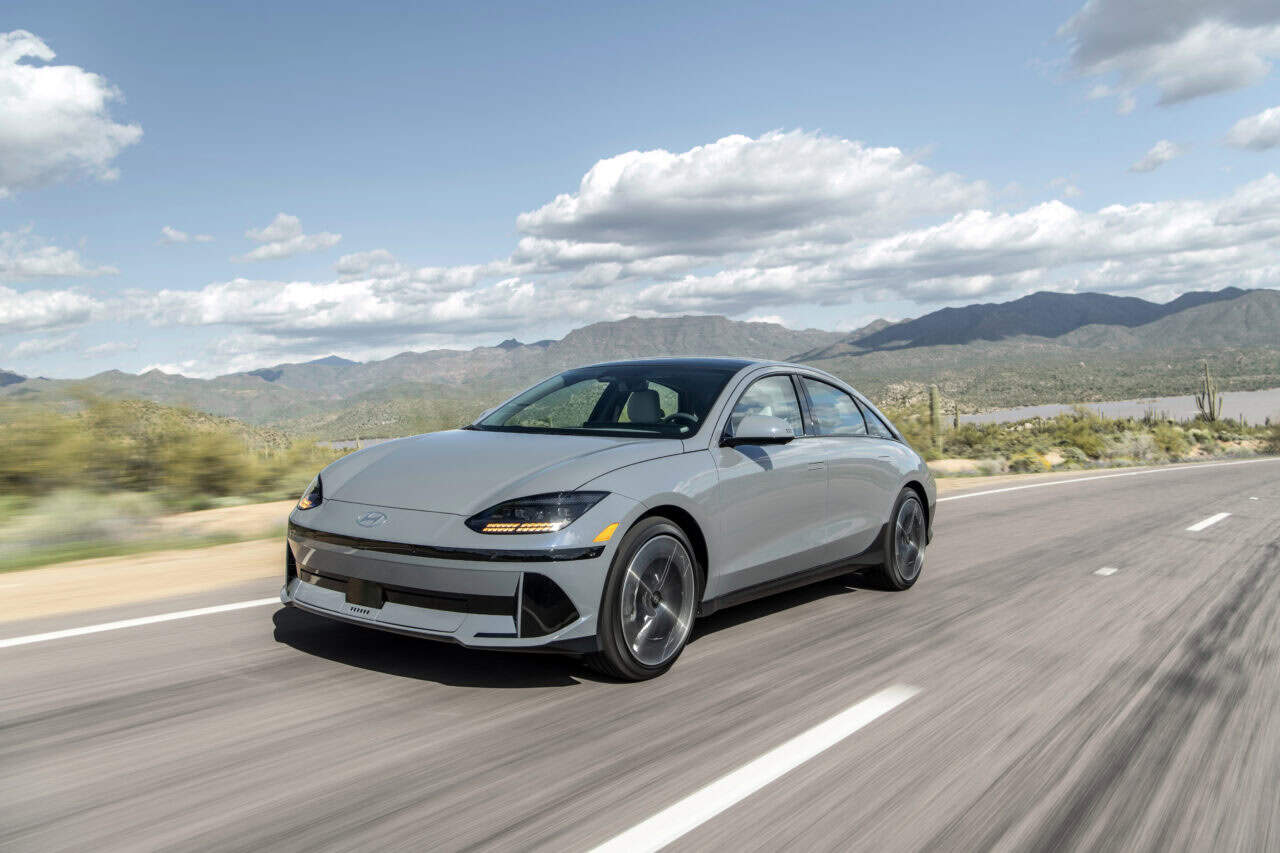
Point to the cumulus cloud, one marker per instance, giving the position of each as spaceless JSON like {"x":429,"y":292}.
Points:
{"x":57,"y":123}
{"x":36,"y":310}
{"x":1159,"y":154}
{"x":170,"y":236}
{"x":736,"y":194}
{"x":1257,"y":132}
{"x":1184,"y":49}
{"x":284,"y":238}
{"x":24,"y":255}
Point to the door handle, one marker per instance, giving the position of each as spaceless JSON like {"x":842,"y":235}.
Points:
{"x":817,"y":466}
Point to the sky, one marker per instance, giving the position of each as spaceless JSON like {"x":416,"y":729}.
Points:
{"x":217,"y":187}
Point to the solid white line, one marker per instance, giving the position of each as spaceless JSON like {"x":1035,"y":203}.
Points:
{"x":1106,"y":571}
{"x":134,"y":623}
{"x":699,"y":807}
{"x":1193,"y":467}
{"x":1213,"y":519}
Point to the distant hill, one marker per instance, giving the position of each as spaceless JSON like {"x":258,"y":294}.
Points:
{"x":1042,"y":348}
{"x":7,"y":378}
{"x":1045,"y":315}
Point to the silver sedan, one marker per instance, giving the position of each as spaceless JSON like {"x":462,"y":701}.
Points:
{"x":601,"y":512}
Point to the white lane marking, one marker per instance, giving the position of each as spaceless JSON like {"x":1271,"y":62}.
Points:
{"x":134,"y":623}
{"x":1106,"y":571}
{"x":1213,"y":519}
{"x":1253,"y":499}
{"x":1194,"y":466}
{"x":702,"y":805}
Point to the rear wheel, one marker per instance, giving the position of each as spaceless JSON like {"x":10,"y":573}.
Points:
{"x":905,"y":540}
{"x":647,"y":609}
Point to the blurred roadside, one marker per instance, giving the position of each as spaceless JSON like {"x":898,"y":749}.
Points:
{"x":86,"y":585}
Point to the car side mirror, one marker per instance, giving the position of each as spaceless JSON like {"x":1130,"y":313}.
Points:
{"x":485,"y":414}
{"x":760,"y":429}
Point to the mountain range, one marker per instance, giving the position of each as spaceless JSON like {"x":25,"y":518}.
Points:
{"x":1034,"y":349}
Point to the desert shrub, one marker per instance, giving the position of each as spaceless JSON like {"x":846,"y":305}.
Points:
{"x":1170,"y":439}
{"x":1072,"y":456}
{"x":186,"y":458}
{"x":1272,"y":442}
{"x":1025,"y":463}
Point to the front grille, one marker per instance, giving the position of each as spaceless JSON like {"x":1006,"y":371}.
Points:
{"x":371,"y":594}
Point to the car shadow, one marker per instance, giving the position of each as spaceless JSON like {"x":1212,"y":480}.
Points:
{"x":458,"y":666}
{"x":422,"y":659}
{"x":732,"y":617}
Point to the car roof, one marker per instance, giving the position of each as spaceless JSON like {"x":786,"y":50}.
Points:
{"x":692,"y":362}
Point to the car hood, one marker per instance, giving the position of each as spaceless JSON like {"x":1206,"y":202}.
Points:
{"x":465,"y":471}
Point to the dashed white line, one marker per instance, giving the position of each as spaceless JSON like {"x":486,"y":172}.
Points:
{"x":1106,"y":571}
{"x":702,"y":805}
{"x":134,"y":623}
{"x":1211,"y":520}
{"x":1096,"y":477}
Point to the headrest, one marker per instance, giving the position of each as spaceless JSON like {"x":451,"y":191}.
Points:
{"x":643,"y":408}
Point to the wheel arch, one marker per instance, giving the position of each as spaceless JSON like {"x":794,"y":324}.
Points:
{"x":918,"y":487}
{"x":686,"y":522}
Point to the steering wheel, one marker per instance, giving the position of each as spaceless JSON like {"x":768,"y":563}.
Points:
{"x":681,"y":418}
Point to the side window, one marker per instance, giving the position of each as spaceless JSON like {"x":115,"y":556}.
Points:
{"x":773,"y":395}
{"x":875,"y":426}
{"x":834,"y":411}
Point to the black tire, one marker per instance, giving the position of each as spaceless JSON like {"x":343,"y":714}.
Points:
{"x":901,"y":568}
{"x":615,"y":657}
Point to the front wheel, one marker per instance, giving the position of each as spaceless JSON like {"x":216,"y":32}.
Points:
{"x":647,"y":609}
{"x":905,"y":540}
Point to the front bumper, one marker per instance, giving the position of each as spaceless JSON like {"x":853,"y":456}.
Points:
{"x":487,"y":597}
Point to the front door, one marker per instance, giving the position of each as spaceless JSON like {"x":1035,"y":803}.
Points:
{"x":772,"y":497}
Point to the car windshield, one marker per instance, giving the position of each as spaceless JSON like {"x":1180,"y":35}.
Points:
{"x":667,"y":400}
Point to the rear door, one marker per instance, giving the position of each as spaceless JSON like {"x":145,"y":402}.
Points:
{"x":772,"y":497}
{"x":862,"y":474}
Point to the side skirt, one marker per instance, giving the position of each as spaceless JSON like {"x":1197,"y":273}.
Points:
{"x":873,"y":556}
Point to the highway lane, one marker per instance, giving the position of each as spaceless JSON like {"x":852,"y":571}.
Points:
{"x":1056,"y":707}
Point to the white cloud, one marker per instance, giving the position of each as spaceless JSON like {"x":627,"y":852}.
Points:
{"x":170,"y":236}
{"x":1159,"y":154}
{"x":36,"y":310}
{"x":24,"y":255}
{"x":1182,"y":48}
{"x":56,"y":122}
{"x":44,"y":345}
{"x":1066,"y":187}
{"x":284,"y":238}
{"x":1257,"y":132}
{"x":736,"y":194}
{"x":109,"y":348}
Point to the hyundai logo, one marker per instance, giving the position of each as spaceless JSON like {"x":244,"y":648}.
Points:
{"x":370,"y":519}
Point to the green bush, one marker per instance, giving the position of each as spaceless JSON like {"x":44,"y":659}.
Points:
{"x":186,"y":458}
{"x":1171,"y":440}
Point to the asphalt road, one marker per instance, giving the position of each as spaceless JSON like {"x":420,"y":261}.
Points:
{"x":1056,"y":708}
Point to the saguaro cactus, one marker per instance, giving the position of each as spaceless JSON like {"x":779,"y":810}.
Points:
{"x":935,"y":417}
{"x":1208,"y":400}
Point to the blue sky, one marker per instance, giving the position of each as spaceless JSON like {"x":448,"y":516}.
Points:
{"x":817,"y":164}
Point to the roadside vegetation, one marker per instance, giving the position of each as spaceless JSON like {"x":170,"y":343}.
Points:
{"x":1081,"y":439}
{"x":90,"y":481}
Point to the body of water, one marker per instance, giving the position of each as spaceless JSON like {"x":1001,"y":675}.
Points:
{"x":1254,"y":406}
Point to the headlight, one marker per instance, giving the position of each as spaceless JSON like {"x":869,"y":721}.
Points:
{"x":535,"y":514}
{"x":313,"y":496}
